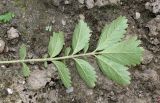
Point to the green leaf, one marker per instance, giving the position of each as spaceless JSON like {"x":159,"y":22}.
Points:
{"x":86,"y":72}
{"x":6,"y":17}
{"x":114,"y":71}
{"x":86,"y":48}
{"x":112,"y":33}
{"x":126,"y":52}
{"x":63,"y":73}
{"x":22,"y":52}
{"x":67,"y":51}
{"x":25,"y":70}
{"x":56,"y":44}
{"x":81,"y":36}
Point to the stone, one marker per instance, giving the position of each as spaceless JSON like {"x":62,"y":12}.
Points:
{"x":81,"y":1}
{"x":2,"y":45}
{"x":147,"y":57}
{"x":153,"y":6}
{"x":37,"y":79}
{"x":150,"y":75}
{"x":81,"y":16}
{"x":89,"y":4}
{"x":63,"y":22}
{"x":69,"y":90}
{"x":56,"y":2}
{"x":114,"y":1}
{"x":106,"y":2}
{"x":138,"y":15}
{"x":12,"y":33}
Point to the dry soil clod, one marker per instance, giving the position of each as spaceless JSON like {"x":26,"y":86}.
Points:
{"x":12,"y":33}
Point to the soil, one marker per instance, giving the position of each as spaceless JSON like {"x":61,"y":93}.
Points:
{"x":31,"y":19}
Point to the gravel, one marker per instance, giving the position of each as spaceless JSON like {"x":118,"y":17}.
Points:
{"x":153,"y":6}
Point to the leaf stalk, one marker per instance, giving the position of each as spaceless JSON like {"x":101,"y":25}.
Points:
{"x":49,"y":59}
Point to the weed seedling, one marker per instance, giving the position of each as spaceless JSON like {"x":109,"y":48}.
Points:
{"x":6,"y":17}
{"x":113,"y":54}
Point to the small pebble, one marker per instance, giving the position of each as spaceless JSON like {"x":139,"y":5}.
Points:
{"x":2,"y":45}
{"x":63,"y":22}
{"x":81,"y":16}
{"x":151,"y":75}
{"x":10,"y":91}
{"x":3,"y":66}
{"x":138,"y":15}
{"x":147,"y":57}
{"x":81,"y":1}
{"x":53,"y":20}
{"x":66,"y":2}
{"x":37,"y":79}
{"x":12,"y":33}
{"x":69,"y":90}
{"x":89,"y":3}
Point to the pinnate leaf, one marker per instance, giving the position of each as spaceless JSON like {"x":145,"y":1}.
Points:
{"x":81,"y":36}
{"x":56,"y":44}
{"x":126,"y":52}
{"x":114,"y":71}
{"x":63,"y":73}
{"x":86,"y":72}
{"x":25,"y":70}
{"x":112,"y":33}
{"x":22,"y":52}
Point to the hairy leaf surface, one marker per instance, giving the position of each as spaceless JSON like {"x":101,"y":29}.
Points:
{"x":56,"y":44}
{"x":86,"y":72}
{"x":63,"y":73}
{"x":126,"y":52}
{"x":25,"y":70}
{"x":114,"y":71}
{"x":81,"y":36}
{"x":112,"y":33}
{"x":22,"y":52}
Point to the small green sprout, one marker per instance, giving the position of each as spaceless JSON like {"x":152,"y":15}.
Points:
{"x":6,"y":17}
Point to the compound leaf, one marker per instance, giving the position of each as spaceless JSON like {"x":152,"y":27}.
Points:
{"x":86,"y":72}
{"x":63,"y":73}
{"x":6,"y":17}
{"x":25,"y":70}
{"x":81,"y":36}
{"x":114,"y":71}
{"x":22,"y":52}
{"x":126,"y":52}
{"x":56,"y":44}
{"x":112,"y":33}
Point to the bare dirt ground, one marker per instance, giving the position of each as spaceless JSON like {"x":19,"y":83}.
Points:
{"x":31,"y":18}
